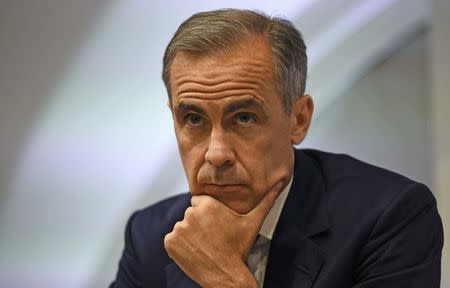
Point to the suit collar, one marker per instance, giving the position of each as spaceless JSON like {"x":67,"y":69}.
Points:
{"x":294,"y":259}
{"x":310,"y":195}
{"x":306,"y":208}
{"x":270,"y":223}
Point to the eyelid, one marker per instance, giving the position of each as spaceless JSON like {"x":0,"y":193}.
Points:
{"x":189,"y":114}
{"x":250,"y":114}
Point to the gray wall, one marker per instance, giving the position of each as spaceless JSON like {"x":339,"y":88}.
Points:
{"x":384,"y":117}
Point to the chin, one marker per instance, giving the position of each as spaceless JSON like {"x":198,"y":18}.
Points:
{"x":236,"y":197}
{"x":240,"y":207}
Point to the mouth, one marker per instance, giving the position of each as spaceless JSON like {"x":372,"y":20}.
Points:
{"x":222,"y":188}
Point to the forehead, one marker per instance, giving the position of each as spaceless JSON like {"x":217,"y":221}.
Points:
{"x":254,"y":50}
{"x":246,"y":69}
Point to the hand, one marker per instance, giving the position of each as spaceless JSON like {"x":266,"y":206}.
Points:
{"x":212,"y":242}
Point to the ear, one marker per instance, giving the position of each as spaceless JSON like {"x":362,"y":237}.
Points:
{"x":301,"y":115}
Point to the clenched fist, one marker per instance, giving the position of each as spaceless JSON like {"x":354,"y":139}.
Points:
{"x":212,"y":242}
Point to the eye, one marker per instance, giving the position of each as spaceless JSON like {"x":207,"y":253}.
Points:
{"x":244,"y":119}
{"x":193,"y":120}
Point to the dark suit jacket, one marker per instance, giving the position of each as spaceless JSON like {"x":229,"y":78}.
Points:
{"x":345,"y":223}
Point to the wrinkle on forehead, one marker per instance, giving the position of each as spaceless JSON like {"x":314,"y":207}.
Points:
{"x":226,"y":87}
{"x":218,"y":81}
{"x":220,"y":96}
{"x":225,"y":75}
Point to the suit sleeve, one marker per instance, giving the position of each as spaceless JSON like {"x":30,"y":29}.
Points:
{"x":404,"y":246}
{"x":128,"y":272}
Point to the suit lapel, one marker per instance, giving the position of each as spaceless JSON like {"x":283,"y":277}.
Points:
{"x":176,"y":278}
{"x":294,"y":259}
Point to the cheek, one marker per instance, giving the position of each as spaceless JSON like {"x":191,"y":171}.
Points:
{"x":271,"y":147}
{"x":192,"y":155}
{"x":270,"y":159}
{"x":186,"y":142}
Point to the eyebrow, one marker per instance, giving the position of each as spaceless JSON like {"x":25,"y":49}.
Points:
{"x":184,"y":107}
{"x":243,"y":104}
{"x":187,"y":107}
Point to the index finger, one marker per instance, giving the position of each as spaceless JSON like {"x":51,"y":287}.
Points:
{"x":261,"y":210}
{"x":197,"y":200}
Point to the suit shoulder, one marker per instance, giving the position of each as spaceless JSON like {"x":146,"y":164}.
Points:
{"x":342,"y":167}
{"x":149,"y":225}
{"x":163,"y":213}
{"x":167,"y":206}
{"x":349,"y":180}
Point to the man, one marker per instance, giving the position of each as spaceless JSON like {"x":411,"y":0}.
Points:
{"x":260,"y":213}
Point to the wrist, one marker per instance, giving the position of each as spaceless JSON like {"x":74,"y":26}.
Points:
{"x":244,"y":278}
{"x":241,"y":277}
{"x":248,"y":280}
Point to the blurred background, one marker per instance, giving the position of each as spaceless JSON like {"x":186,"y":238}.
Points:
{"x":86,"y":138}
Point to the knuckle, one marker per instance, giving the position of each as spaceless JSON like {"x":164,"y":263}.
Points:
{"x":194,"y":200}
{"x":188,"y":212}
{"x":176,"y":227}
{"x":179,"y":228}
{"x":168,"y":239}
{"x":210,"y":202}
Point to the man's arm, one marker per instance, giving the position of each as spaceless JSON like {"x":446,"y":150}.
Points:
{"x":128,"y":273}
{"x":404,"y":247}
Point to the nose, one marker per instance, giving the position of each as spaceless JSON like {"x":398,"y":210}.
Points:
{"x":220,"y":152}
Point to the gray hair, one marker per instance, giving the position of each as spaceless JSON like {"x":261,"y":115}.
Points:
{"x":216,"y":31}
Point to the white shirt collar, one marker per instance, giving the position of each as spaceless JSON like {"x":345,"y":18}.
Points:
{"x":270,"y":223}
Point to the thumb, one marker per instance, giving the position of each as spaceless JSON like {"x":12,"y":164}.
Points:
{"x":259,"y":213}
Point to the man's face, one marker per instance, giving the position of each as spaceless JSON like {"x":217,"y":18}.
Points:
{"x":234,"y":136}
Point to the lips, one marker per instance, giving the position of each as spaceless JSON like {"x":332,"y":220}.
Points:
{"x":222,"y":188}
